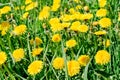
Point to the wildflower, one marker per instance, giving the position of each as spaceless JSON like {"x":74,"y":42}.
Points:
{"x":56,"y":38}
{"x":86,"y":16}
{"x":101,"y":13}
{"x":35,"y":67}
{"x":75,"y":25}
{"x":100,"y":32}
{"x":5,"y":9}
{"x":102,"y":3}
{"x":72,"y":11}
{"x":4,"y":27}
{"x":86,"y":8}
{"x":77,"y":1}
{"x":83,"y":60}
{"x":105,"y":22}
{"x":28,"y":1}
{"x":58,"y":63}
{"x":25,"y":15}
{"x":37,"y":51}
{"x":56,"y":5}
{"x":73,"y":67}
{"x":31,"y":6}
{"x":83,"y":28}
{"x":102,"y":57}
{"x":71,"y":43}
{"x":55,"y":25}
{"x":44,"y":13}
{"x":65,"y":24}
{"x":106,"y":43}
{"x":18,"y":54}
{"x":95,"y":23}
{"x":78,"y":7}
{"x":3,"y":57}
{"x":19,"y":30}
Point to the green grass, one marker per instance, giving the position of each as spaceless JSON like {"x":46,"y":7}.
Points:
{"x":87,"y":44}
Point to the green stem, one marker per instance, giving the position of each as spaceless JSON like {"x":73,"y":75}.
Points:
{"x":64,"y":56}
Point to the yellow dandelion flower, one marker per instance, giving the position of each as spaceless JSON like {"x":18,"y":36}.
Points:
{"x":102,"y":3}
{"x":22,"y":7}
{"x":25,"y":15}
{"x":58,"y":63}
{"x":4,"y":27}
{"x":37,"y":51}
{"x":16,"y":8}
{"x":86,"y":16}
{"x":35,"y":67}
{"x":95,"y":23}
{"x":31,"y":6}
{"x":65,"y":24}
{"x":5,"y":9}
{"x":106,"y":43}
{"x":28,"y":1}
{"x":83,"y":60}
{"x":101,"y":13}
{"x":55,"y":7}
{"x":105,"y":22}
{"x":55,"y":25}
{"x":19,"y":30}
{"x":77,"y":1}
{"x":71,"y":43}
{"x":78,"y":7}
{"x":38,"y":41}
{"x":3,"y":57}
{"x":67,"y":17}
{"x":102,"y":57}
{"x":75,"y":26}
{"x":44,"y":13}
{"x":56,"y":1}
{"x":83,"y":28}
{"x":18,"y":54}
{"x":100,"y":32}
{"x":86,"y":8}
{"x":72,"y":11}
{"x":73,"y":67}
{"x":56,"y":38}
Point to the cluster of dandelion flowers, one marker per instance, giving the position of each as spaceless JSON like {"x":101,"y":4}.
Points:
{"x":83,"y":60}
{"x":37,"y":51}
{"x":71,"y":43}
{"x":19,"y":30}
{"x":73,"y":67}
{"x":56,"y":38}
{"x":18,"y":54}
{"x":58,"y":63}
{"x":35,"y":67}
{"x":105,"y":22}
{"x":102,"y":57}
{"x":3,"y":57}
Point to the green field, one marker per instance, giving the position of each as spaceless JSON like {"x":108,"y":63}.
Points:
{"x":59,"y":39}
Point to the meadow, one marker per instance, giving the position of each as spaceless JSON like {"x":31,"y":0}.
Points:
{"x":59,"y":39}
